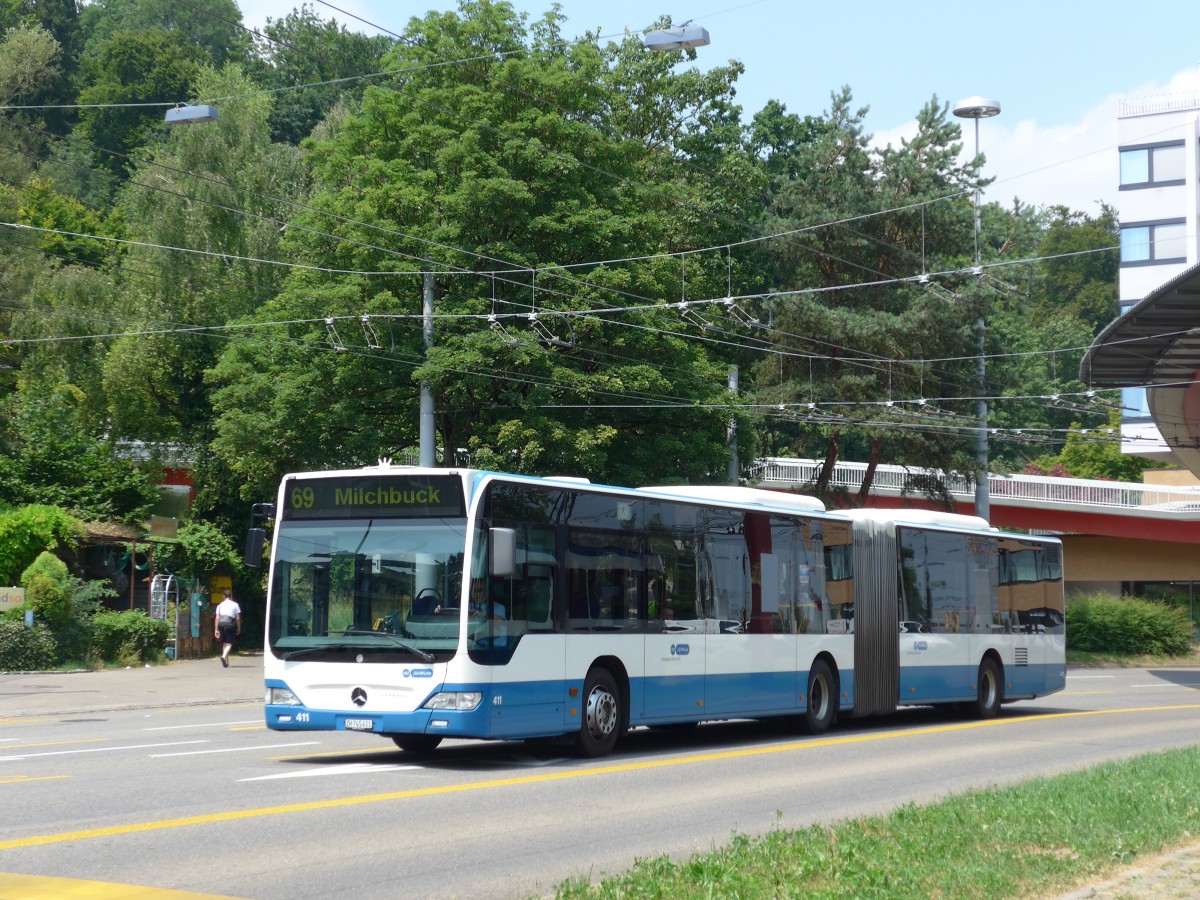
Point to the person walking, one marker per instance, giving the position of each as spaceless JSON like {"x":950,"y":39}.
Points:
{"x":227,"y":625}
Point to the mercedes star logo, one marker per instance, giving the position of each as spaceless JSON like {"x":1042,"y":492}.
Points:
{"x":358,"y":697}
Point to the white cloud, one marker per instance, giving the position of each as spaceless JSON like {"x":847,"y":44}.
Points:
{"x":1072,"y":165}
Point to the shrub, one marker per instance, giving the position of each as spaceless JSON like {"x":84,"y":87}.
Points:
{"x":26,"y":532}
{"x":1102,"y":623}
{"x":47,"y":586}
{"x":129,"y":635}
{"x":25,"y":649}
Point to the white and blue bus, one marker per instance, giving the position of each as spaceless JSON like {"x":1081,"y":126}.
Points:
{"x":424,"y":604}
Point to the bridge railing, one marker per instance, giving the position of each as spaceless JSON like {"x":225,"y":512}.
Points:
{"x":892,"y":480}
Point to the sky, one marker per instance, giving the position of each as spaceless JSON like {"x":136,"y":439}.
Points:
{"x":1058,"y":67}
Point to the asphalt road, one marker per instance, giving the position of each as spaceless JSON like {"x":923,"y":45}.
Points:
{"x":195,"y":794}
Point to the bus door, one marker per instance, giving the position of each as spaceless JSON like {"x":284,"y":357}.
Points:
{"x":675,"y":642}
{"x":937,"y":620}
{"x":750,"y":664}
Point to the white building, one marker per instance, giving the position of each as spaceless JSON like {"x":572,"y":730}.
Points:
{"x":1159,"y":210}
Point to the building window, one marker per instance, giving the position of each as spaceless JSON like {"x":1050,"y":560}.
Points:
{"x":1152,"y":165}
{"x":1134,"y":404}
{"x":1151,"y":243}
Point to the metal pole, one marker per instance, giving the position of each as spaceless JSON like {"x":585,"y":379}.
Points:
{"x":734,"y":467}
{"x":427,"y":439}
{"x":982,"y":499}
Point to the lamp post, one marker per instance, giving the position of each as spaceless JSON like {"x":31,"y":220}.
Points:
{"x":679,"y":37}
{"x":979,"y":108}
{"x":185,"y":114}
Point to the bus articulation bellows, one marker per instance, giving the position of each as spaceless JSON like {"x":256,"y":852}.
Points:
{"x":424,"y":604}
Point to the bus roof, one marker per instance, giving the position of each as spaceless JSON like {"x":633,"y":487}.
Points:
{"x":919,"y":517}
{"x":729,"y":493}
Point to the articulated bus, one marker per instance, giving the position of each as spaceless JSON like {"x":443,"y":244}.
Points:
{"x":424,"y":604}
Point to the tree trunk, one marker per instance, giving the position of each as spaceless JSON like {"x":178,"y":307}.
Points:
{"x":831,"y":458}
{"x":869,"y":475}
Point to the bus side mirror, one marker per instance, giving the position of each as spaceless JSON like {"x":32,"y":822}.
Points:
{"x":255,"y":538}
{"x":502,"y":554}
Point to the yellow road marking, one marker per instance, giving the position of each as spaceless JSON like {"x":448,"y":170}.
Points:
{"x":22,"y":779}
{"x":40,"y":886}
{"x":548,"y":777}
{"x":249,"y":728}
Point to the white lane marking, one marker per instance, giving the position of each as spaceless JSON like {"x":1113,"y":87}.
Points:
{"x":1085,"y":677}
{"x":99,"y":750}
{"x":1168,"y":684}
{"x":346,"y":769}
{"x":257,"y":721}
{"x":233,"y":749}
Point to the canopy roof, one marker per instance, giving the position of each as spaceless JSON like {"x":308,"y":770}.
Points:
{"x":1155,"y":342}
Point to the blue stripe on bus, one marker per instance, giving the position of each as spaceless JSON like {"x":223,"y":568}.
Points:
{"x":520,"y":709}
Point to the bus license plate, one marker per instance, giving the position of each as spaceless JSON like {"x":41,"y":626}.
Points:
{"x":360,"y":724}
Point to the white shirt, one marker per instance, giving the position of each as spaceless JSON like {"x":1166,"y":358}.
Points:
{"x":228,"y":607}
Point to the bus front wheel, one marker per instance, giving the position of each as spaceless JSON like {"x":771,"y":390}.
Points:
{"x":601,"y":726}
{"x":989,"y":691}
{"x":822,"y":699}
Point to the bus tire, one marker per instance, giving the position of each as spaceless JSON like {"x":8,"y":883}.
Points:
{"x":822,"y":699}
{"x":989,"y":692}
{"x":417,"y":743}
{"x":602,"y":716}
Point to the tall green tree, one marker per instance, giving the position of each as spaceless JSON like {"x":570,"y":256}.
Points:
{"x":124,"y":77}
{"x":205,"y":208}
{"x":502,"y":151}
{"x":51,"y":459}
{"x":214,"y":27}
{"x":863,"y":330}
{"x":1079,"y":268}
{"x":311,"y":63}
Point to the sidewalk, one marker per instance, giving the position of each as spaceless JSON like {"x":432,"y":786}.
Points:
{"x":188,"y":682}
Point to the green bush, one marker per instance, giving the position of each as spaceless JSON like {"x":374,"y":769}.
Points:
{"x":1102,"y":623}
{"x":47,"y":586}
{"x":120,"y":635}
{"x":64,"y":603}
{"x":25,"y":649}
{"x":26,"y":532}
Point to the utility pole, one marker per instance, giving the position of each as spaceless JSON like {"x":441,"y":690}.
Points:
{"x":734,"y":467}
{"x":979,"y":108}
{"x":427,"y":439}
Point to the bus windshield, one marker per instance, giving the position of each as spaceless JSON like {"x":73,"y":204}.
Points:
{"x":382,"y":589}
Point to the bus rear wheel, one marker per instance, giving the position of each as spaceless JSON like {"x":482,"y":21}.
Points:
{"x":822,"y":699}
{"x":601,"y":725}
{"x":989,"y":691}
{"x":417,"y":743}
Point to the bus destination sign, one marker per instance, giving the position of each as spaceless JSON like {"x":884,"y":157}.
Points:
{"x":373,"y":496}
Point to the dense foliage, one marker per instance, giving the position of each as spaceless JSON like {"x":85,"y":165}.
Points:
{"x":30,"y":530}
{"x":1103,"y":623}
{"x":129,"y":636}
{"x":24,"y":649}
{"x":604,"y":234}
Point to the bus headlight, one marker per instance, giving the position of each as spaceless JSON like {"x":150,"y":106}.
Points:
{"x":277,"y":696}
{"x":461,"y":700}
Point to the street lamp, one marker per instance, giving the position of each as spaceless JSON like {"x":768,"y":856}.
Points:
{"x":190,"y":115}
{"x":979,"y":108}
{"x":680,"y":37}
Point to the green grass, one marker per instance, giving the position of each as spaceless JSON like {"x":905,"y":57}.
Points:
{"x":1037,"y":838}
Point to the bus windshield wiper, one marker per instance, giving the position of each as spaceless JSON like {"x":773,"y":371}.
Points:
{"x":416,"y":651}
{"x":304,"y":651}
